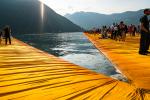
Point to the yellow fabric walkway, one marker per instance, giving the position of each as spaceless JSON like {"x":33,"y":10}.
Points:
{"x":30,"y":74}
{"x":125,"y":56}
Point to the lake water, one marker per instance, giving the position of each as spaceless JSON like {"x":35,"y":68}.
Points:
{"x":73,"y":47}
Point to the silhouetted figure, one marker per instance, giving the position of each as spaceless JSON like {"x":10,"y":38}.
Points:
{"x":122,"y":31}
{"x":116,"y":27}
{"x":130,"y":29}
{"x":104,"y":32}
{"x":145,"y":35}
{"x":134,"y":30}
{"x":112,"y":31}
{"x":138,"y":29}
{"x":1,"y":36}
{"x":7,"y":34}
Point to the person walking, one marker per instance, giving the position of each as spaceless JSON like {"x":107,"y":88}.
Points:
{"x":145,"y":35}
{"x":7,"y":34}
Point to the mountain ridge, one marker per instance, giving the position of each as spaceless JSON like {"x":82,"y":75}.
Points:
{"x":24,"y":16}
{"x":89,"y":20}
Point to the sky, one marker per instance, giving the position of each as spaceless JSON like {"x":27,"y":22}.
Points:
{"x":63,"y":7}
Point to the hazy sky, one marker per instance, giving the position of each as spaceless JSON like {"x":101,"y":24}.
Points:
{"x":100,"y":6}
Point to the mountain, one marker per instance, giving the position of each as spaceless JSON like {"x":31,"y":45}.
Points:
{"x":89,"y":20}
{"x":24,"y":16}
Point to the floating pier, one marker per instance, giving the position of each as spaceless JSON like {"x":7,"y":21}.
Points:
{"x":125,"y":56}
{"x":27,"y":73}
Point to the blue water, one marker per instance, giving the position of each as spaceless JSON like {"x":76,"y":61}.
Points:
{"x":73,"y":47}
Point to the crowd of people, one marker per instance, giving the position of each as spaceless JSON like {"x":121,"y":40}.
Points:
{"x":118,"y":31}
{"x":5,"y":34}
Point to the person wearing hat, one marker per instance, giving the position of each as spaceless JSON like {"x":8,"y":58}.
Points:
{"x":145,"y":33}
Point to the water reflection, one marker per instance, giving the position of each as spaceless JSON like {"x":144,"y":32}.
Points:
{"x":73,"y":47}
